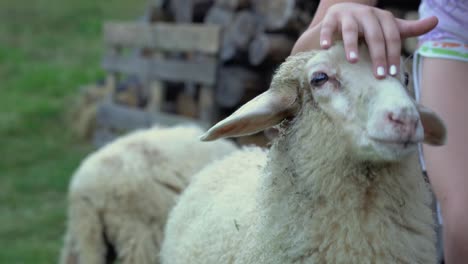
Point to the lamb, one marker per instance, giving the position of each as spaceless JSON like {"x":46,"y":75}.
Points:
{"x":120,"y":196}
{"x":340,"y":184}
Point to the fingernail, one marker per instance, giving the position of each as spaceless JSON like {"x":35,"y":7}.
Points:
{"x":352,"y":55}
{"x":324,"y":42}
{"x":380,"y":71}
{"x":392,"y":70}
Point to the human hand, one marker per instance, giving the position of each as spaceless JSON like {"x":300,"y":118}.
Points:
{"x":382,"y":32}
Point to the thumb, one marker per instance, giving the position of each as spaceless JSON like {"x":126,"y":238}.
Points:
{"x":414,"y":28}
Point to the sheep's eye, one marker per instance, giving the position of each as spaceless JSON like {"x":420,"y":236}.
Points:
{"x":406,"y":79}
{"x":318,"y":78}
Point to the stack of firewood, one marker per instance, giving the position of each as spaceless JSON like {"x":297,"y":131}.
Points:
{"x":257,"y":36}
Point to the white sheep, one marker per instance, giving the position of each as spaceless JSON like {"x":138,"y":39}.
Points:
{"x":120,"y":196}
{"x":341,"y":184}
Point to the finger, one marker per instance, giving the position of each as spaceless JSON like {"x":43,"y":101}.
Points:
{"x":375,"y":41}
{"x":392,"y":40}
{"x":349,"y":29}
{"x":328,"y":28}
{"x":414,"y":28}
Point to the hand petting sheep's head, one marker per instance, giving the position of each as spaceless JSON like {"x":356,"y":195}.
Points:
{"x":379,"y":117}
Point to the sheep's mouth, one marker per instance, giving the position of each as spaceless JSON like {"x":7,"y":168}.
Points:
{"x":395,"y":143}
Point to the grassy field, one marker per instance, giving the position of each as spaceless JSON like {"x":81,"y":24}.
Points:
{"x":48,"y":48}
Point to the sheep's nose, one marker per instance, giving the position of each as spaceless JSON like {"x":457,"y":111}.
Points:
{"x":404,"y":122}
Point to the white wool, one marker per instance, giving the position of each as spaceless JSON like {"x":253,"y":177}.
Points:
{"x":341,"y":104}
{"x":325,"y":193}
{"x":120,"y":195}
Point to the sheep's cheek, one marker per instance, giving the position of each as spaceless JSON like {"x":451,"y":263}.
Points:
{"x":335,"y":105}
{"x":340,"y":104}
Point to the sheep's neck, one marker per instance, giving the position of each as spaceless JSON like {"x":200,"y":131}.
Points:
{"x":334,"y":198}
{"x":310,"y":161}
{"x":314,"y":182}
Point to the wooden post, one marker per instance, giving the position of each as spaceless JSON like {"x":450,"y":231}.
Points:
{"x":156,"y":93}
{"x":186,"y":105}
{"x":198,"y":46}
{"x":206,"y":102}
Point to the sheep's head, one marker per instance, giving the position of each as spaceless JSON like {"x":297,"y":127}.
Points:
{"x":379,"y":117}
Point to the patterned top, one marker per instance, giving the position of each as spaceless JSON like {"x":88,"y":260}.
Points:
{"x":453,"y":19}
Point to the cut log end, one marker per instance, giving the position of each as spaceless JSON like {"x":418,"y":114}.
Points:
{"x":275,"y":14}
{"x":258,"y":50}
{"x":275,"y":47}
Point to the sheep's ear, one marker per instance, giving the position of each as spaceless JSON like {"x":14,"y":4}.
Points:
{"x":435,"y":132}
{"x":264,"y":111}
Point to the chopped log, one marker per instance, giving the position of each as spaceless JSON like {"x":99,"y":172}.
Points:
{"x":228,"y":48}
{"x":238,"y":30}
{"x":233,"y":4}
{"x":275,"y":47}
{"x":275,"y":14}
{"x":224,"y":18}
{"x":182,"y":10}
{"x":219,"y":16}
{"x":235,"y":83}
{"x":244,"y":27}
{"x":185,"y":11}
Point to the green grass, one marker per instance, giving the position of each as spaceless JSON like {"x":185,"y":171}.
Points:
{"x":47,"y":50}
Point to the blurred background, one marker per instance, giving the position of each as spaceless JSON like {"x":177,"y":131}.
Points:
{"x":72,"y":81}
{"x":48,"y":49}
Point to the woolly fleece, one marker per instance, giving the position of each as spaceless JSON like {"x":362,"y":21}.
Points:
{"x":307,"y":200}
{"x":120,"y":196}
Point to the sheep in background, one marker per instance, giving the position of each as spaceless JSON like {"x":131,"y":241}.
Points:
{"x":120,"y":196}
{"x":341,"y":183}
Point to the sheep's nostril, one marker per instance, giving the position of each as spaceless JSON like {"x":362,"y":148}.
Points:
{"x":395,"y":120}
{"x":405,"y":124}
